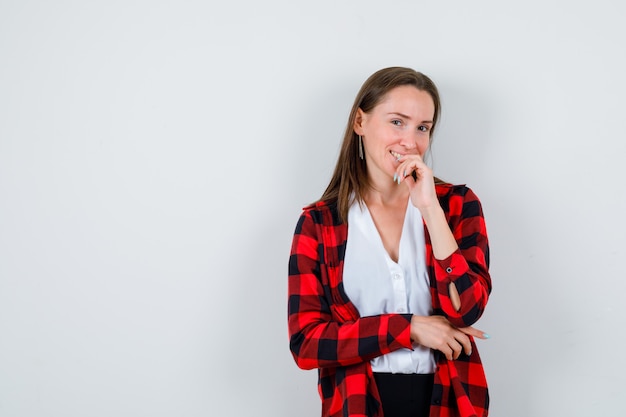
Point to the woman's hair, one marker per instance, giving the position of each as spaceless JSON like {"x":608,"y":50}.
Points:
{"x":350,"y":180}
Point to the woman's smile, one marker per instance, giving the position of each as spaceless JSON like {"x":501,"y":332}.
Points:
{"x":396,"y":155}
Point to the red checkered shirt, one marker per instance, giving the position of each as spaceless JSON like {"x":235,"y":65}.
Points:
{"x":327,"y":333}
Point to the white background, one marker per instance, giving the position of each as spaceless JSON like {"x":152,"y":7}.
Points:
{"x":155,"y":155}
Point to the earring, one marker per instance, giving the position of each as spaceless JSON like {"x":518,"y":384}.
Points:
{"x":360,"y":147}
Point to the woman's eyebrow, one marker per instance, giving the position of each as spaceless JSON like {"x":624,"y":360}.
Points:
{"x":407,"y":117}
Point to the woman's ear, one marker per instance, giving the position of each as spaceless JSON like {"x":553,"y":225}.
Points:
{"x":358,"y":122}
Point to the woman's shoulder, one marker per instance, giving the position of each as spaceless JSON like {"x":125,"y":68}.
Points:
{"x":322,"y":211}
{"x":455,"y":193}
{"x":318,"y":206}
{"x":447,"y":189}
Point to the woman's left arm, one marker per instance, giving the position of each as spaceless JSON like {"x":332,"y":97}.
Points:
{"x":461,"y":256}
{"x":458,"y":236}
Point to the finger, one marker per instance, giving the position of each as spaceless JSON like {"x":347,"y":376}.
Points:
{"x":466,"y":344}
{"x":406,"y":170}
{"x":403,"y":172}
{"x":448,"y":352}
{"x":409,"y":180}
{"x":474,"y":332}
{"x":457,"y":349}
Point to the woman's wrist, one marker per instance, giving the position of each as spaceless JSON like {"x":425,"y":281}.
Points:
{"x":432,"y":213}
{"x":443,"y":242}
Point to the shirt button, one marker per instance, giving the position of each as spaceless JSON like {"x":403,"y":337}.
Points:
{"x":449,"y":270}
{"x":401,"y":310}
{"x":396,"y":276}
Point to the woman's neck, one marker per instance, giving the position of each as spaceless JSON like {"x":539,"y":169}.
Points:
{"x":388,"y":194}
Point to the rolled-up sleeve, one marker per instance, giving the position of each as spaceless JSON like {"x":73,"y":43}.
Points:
{"x":468,"y":267}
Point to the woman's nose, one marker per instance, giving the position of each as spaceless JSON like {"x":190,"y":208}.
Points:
{"x":408,"y":141}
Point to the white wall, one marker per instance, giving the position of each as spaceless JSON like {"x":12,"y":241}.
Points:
{"x":154,"y":157}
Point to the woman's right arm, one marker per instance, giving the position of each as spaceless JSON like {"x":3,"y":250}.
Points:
{"x":318,"y":340}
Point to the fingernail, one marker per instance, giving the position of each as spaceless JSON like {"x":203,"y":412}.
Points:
{"x":395,"y":176}
{"x":470,"y":353}
{"x":486,"y":336}
{"x":404,"y":173}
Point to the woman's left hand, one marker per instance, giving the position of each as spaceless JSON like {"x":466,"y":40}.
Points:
{"x":424,"y":197}
{"x":422,"y":189}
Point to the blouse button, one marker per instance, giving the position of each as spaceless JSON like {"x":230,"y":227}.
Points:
{"x":449,"y":270}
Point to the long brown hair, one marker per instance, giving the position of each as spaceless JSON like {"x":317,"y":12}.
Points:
{"x":350,"y":180}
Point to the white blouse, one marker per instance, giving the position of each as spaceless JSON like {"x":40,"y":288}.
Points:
{"x":377,"y":285}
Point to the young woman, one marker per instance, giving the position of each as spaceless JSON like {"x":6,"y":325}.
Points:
{"x":389,"y":269}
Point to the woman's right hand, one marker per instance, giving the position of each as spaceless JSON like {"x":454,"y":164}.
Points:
{"x":437,"y":333}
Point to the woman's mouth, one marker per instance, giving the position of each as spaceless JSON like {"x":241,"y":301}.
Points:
{"x":396,"y":155}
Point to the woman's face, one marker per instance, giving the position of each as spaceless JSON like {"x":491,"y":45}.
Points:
{"x":399,"y":125}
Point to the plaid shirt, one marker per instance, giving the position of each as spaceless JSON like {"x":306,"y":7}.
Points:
{"x":327,"y":333}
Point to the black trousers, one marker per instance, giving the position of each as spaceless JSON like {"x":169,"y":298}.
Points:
{"x":405,"y":395}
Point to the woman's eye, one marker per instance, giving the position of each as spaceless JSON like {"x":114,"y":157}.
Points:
{"x":423,"y":128}
{"x":396,"y":122}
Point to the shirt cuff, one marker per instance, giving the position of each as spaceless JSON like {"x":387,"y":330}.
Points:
{"x":453,"y":265}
